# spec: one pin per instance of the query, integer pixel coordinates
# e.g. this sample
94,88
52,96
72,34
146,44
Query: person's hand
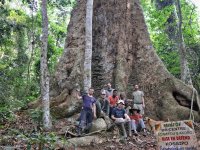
95,116
119,120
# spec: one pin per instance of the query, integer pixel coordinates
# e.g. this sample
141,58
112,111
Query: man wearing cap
102,105
121,118
103,108
138,99
137,123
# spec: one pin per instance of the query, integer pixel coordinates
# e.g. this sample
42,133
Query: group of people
113,108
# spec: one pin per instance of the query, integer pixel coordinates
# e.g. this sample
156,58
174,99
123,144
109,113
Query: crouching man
88,112
103,108
137,123
121,118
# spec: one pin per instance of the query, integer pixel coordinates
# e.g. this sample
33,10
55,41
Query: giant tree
122,54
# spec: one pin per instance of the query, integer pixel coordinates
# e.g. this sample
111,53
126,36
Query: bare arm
78,95
113,117
94,110
127,117
143,102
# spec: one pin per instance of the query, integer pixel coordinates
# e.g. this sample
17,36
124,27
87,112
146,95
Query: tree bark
88,45
185,72
44,69
122,54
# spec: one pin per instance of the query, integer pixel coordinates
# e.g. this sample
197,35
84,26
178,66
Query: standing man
88,111
138,99
113,101
109,90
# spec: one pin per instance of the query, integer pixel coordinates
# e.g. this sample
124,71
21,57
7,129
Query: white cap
103,92
120,101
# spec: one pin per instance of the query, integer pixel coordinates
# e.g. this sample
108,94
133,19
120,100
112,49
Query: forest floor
21,134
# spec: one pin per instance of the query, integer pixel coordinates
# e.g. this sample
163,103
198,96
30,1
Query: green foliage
20,43
5,114
35,140
36,116
163,35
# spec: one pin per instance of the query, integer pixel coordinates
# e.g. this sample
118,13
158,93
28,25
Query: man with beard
138,99
88,111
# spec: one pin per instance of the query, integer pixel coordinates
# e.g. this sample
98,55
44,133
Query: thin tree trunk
44,69
185,72
88,45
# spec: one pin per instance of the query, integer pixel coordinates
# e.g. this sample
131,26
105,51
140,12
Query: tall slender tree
185,72
88,45
44,68
175,33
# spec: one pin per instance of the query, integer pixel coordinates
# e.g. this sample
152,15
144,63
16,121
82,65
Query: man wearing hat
137,123
102,105
103,108
121,118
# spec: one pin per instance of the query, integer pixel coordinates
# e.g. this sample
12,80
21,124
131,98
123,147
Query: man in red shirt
113,101
137,123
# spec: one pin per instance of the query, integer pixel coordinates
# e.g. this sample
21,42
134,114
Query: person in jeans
137,123
121,118
88,111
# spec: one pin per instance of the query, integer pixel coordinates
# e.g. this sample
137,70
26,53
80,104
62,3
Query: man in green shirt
138,99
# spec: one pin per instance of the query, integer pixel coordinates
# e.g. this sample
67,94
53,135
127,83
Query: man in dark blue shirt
88,111
121,118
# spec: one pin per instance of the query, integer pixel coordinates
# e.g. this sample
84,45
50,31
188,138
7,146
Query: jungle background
20,44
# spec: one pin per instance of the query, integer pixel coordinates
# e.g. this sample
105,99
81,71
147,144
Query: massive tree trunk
88,46
122,54
44,69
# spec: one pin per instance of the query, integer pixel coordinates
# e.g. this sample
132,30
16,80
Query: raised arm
78,95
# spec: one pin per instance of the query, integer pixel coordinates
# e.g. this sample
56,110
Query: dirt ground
9,136
140,142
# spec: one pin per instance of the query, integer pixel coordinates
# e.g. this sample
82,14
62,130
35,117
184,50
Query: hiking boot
144,134
135,133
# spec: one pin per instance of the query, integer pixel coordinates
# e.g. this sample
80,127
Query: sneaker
135,133
144,134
